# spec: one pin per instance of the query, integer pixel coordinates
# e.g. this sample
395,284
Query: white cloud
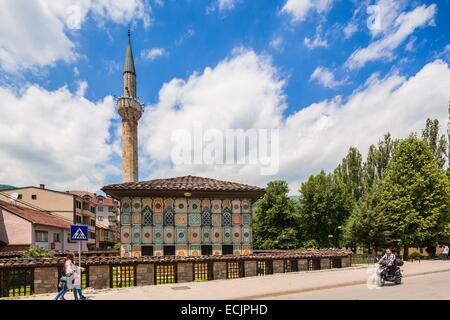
350,29
152,54
82,87
246,91
221,6
55,137
299,9
383,48
325,77
277,43
34,34
317,42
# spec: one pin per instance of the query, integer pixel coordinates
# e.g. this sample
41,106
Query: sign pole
79,254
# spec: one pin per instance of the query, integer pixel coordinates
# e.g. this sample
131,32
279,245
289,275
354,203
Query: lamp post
336,235
330,236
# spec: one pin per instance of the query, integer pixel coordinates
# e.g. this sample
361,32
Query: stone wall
185,272
303,265
45,280
220,270
324,263
278,266
99,276
145,274
346,262
250,268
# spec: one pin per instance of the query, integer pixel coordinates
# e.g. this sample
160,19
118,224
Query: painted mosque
183,216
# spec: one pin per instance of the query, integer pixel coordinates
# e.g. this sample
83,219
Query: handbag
62,281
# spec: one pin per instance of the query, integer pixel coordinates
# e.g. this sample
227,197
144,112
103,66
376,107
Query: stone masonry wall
99,277
45,280
220,270
324,264
145,274
278,266
303,265
250,268
185,272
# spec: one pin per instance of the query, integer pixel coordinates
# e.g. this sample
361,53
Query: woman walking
77,293
67,277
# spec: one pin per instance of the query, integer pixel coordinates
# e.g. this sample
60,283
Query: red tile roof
35,216
186,183
107,201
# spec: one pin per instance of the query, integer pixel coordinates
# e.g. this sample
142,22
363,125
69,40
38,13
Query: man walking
445,252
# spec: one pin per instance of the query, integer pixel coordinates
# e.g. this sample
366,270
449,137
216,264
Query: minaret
130,110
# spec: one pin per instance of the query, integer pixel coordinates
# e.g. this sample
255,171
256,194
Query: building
107,208
21,227
185,216
70,207
107,211
106,237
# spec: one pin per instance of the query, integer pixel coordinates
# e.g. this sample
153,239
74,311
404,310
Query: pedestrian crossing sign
78,233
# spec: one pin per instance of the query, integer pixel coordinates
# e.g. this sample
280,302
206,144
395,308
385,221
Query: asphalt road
431,286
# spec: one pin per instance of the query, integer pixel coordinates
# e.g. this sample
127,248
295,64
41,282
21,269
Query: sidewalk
255,287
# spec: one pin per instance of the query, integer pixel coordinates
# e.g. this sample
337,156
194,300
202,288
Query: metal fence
166,273
264,267
16,282
235,269
122,276
203,271
363,259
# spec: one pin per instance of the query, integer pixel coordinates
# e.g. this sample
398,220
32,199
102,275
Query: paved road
348,283
430,286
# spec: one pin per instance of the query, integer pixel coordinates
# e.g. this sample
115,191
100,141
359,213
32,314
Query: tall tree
437,142
414,196
276,220
378,158
350,172
324,206
366,226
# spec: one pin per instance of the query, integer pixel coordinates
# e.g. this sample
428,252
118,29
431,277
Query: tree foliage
414,196
324,205
276,224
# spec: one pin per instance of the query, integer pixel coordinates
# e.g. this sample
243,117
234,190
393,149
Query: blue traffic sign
78,233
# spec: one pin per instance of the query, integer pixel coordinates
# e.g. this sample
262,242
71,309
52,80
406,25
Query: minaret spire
130,111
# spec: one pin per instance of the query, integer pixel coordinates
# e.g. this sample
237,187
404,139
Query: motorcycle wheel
398,281
380,281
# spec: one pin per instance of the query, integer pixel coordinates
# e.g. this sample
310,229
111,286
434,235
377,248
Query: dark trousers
77,294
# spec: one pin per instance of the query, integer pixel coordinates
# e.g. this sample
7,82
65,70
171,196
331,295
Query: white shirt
445,250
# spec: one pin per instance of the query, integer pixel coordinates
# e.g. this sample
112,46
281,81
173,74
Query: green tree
324,205
366,226
37,252
414,196
275,223
378,158
350,172
437,143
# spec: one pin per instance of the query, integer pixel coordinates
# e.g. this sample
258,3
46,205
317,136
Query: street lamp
336,235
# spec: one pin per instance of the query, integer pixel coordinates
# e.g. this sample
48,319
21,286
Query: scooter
384,275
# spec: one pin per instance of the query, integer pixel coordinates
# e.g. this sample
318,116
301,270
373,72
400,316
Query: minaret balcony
129,106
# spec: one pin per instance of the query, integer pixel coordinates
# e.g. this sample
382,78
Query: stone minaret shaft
131,111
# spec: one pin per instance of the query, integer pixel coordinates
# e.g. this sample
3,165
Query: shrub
37,252
416,256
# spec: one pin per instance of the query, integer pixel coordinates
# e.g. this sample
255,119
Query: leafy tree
414,196
438,144
276,221
366,226
350,172
377,161
324,205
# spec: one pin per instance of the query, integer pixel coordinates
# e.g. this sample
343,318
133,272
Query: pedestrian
65,282
77,293
445,252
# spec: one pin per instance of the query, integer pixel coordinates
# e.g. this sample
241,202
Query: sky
325,74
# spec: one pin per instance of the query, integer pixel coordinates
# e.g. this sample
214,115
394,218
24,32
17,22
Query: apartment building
71,207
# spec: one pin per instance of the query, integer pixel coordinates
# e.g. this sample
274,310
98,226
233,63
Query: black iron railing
264,267
166,273
235,269
203,271
122,276
16,282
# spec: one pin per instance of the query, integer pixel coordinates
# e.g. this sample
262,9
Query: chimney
42,186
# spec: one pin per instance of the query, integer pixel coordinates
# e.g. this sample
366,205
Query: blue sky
320,55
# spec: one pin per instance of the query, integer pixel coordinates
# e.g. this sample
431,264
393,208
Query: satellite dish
14,197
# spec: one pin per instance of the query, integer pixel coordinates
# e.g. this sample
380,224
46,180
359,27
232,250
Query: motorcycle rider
390,259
